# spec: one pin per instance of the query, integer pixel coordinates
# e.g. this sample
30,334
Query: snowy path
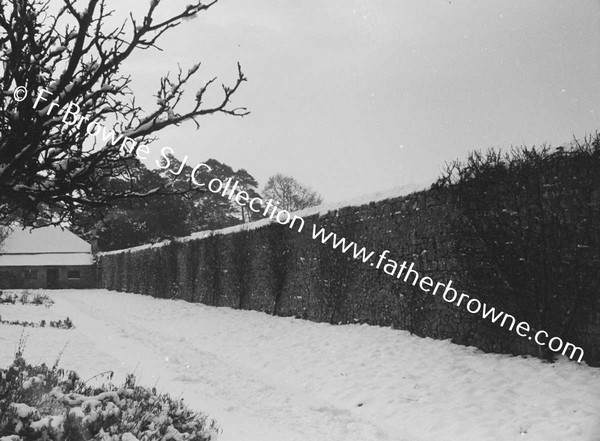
278,379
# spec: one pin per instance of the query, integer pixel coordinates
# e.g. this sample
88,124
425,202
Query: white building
47,257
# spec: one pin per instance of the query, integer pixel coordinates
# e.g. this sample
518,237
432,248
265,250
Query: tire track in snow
246,400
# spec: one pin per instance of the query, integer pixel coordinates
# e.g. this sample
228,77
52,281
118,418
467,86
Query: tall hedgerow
537,213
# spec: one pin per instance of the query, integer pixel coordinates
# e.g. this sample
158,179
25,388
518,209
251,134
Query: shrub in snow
62,324
26,298
41,299
41,402
8,298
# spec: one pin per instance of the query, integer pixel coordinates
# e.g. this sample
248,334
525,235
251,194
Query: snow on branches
46,169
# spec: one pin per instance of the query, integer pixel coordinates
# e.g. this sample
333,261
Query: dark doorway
52,278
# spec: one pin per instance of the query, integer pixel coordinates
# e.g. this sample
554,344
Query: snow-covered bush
41,402
26,298
8,298
36,299
61,324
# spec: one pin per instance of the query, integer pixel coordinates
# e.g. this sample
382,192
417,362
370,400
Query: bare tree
62,82
289,194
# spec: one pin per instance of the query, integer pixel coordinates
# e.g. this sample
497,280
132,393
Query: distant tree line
181,211
184,209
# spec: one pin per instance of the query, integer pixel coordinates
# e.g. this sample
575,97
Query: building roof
50,245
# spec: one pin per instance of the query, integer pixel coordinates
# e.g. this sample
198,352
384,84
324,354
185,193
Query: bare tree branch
48,167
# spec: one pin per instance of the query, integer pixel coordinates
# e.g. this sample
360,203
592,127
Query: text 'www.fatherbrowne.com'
449,294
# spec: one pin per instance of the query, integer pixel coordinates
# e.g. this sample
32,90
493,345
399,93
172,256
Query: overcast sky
353,97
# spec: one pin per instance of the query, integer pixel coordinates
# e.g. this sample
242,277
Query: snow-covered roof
50,245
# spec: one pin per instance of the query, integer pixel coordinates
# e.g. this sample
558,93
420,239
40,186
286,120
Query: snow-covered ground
266,378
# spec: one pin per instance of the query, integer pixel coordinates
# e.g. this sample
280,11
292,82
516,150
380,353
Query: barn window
30,274
72,275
